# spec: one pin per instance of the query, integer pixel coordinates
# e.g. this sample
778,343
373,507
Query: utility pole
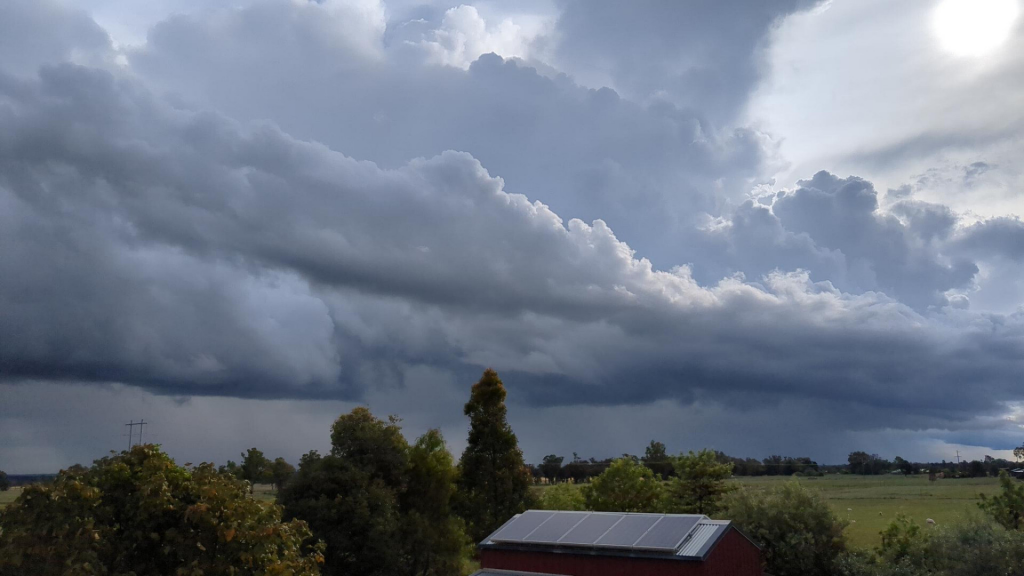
131,430
958,458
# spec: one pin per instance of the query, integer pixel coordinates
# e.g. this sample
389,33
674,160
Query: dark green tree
656,458
551,466
280,472
1007,507
255,467
434,537
231,469
798,533
350,498
700,483
626,486
494,482
139,513
5,483
903,465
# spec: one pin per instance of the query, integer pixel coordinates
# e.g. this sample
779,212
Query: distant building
1017,473
553,543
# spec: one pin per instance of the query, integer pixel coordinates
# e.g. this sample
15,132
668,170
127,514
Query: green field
9,496
869,503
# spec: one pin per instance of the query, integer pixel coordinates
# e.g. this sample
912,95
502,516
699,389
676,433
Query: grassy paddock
9,496
869,503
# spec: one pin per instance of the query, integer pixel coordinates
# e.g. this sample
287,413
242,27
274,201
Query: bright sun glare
974,27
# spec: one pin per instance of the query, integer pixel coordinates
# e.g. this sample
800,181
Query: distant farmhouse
544,542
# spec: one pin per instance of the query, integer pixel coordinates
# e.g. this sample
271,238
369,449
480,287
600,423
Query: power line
131,430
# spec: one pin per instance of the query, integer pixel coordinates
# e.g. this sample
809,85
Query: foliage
5,483
350,498
699,484
971,547
139,513
656,458
1006,508
231,469
382,507
562,497
902,539
255,467
280,472
864,463
626,486
494,482
797,531
435,538
903,465
551,466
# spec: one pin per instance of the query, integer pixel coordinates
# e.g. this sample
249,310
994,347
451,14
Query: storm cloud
284,203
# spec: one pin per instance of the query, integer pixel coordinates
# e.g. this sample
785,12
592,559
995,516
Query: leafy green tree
435,538
700,483
494,482
903,465
655,452
626,486
901,539
656,458
859,462
797,531
231,469
139,513
280,472
255,467
551,466
562,497
5,483
350,498
1007,507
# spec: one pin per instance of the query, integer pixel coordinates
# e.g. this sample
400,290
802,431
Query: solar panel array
650,532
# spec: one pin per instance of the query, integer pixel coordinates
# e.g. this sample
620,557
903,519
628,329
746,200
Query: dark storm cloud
703,55
205,221
190,254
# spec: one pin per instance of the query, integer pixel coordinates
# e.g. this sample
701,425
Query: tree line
374,505
554,468
378,505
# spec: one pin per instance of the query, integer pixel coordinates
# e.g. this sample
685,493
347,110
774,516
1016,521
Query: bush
797,531
562,497
626,486
138,512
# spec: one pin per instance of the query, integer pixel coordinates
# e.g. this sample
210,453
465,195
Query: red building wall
733,556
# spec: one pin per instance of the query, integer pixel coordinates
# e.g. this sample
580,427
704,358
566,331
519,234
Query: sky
760,226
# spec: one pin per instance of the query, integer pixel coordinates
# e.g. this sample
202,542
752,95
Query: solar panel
668,533
627,531
556,527
520,527
590,529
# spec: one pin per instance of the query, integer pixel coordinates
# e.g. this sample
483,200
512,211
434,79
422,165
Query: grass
9,496
264,492
869,503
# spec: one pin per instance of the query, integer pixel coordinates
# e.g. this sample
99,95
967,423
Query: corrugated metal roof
702,538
